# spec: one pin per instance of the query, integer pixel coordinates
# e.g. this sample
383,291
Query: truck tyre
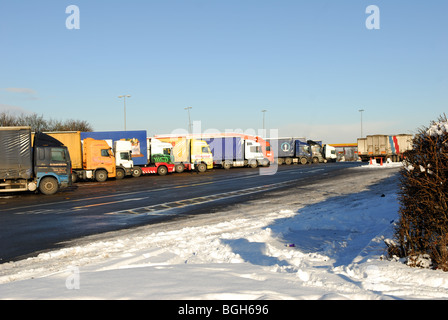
74,177
315,160
120,174
227,165
162,170
101,175
179,168
201,167
303,160
48,186
279,161
288,161
253,164
136,172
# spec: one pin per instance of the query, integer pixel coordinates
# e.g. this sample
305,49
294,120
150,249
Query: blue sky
311,64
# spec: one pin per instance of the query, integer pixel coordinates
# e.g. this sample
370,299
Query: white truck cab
329,153
123,157
156,146
253,153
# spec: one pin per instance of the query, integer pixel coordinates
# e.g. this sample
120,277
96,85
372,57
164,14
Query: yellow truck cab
98,158
189,153
200,153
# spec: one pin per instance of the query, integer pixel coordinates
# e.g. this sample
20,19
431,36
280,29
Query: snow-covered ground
321,241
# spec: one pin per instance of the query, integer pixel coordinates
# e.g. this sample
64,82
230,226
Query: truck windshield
255,149
167,151
206,150
105,153
58,154
125,156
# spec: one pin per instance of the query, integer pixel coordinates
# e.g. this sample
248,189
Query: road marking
224,180
128,193
159,209
106,203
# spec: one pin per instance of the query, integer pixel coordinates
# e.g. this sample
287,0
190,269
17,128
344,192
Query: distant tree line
38,123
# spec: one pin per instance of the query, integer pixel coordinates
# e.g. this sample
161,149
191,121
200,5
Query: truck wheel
120,174
136,172
315,160
253,164
201,167
162,170
227,165
303,160
48,186
74,177
179,168
288,161
101,175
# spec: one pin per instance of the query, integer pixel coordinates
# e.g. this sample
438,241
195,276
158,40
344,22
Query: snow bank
386,165
320,242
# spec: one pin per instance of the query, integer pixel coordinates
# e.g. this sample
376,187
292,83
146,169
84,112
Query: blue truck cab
30,163
52,164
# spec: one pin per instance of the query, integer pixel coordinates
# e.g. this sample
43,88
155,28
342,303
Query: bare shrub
423,226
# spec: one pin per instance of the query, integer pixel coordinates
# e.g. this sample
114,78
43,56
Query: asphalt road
32,223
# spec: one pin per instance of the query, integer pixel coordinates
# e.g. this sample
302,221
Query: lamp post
124,99
361,111
189,120
264,112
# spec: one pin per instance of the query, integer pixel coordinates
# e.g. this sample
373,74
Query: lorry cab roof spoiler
43,140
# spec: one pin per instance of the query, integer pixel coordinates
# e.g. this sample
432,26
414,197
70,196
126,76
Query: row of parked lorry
53,160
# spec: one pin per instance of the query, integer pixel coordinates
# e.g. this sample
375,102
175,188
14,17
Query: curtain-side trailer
236,152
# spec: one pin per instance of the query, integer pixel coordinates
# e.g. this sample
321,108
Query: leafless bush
423,225
38,123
